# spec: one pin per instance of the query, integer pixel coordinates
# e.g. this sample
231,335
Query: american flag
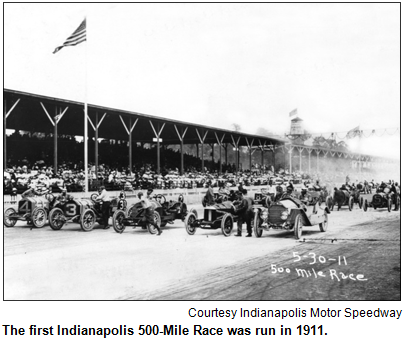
78,36
353,133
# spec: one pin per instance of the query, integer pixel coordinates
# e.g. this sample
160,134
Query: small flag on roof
293,112
78,36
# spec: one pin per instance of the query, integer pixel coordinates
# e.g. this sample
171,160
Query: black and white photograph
202,152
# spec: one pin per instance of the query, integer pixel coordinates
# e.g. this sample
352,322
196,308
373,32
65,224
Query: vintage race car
383,200
33,210
289,214
216,216
86,212
343,198
165,212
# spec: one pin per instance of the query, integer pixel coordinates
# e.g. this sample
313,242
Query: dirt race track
358,258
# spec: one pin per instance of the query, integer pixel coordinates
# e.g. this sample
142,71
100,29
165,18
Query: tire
256,225
298,227
87,220
117,221
156,217
7,221
189,223
324,225
365,205
227,224
193,210
39,217
361,202
389,205
350,204
56,219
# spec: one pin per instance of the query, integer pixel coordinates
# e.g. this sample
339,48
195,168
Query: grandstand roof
29,115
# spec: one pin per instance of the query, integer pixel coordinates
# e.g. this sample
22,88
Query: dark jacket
245,208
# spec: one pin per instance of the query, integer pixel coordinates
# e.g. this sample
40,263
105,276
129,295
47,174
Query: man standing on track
105,208
149,211
245,213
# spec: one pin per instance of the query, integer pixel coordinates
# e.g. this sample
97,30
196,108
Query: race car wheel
361,202
87,220
56,219
117,221
156,218
189,223
193,210
389,205
38,217
227,224
257,222
324,225
93,197
298,227
8,222
351,203
365,205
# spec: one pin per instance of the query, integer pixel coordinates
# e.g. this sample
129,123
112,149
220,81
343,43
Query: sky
219,64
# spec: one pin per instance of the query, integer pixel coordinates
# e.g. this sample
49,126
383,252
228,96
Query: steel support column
4,136
55,142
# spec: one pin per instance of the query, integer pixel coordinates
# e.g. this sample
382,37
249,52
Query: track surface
42,264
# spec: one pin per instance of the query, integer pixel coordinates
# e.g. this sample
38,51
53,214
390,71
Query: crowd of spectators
23,168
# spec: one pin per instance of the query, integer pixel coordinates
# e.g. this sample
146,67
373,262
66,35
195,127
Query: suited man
244,212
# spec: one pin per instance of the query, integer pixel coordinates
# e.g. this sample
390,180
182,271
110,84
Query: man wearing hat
149,209
105,208
245,213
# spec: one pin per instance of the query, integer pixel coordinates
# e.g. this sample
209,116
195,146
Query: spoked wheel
56,219
365,205
38,217
189,223
257,222
8,221
156,218
298,227
227,224
87,220
324,225
351,202
118,221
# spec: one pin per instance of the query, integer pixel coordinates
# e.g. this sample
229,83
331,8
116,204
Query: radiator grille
275,213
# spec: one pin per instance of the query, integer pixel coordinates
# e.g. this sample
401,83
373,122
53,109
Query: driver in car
32,191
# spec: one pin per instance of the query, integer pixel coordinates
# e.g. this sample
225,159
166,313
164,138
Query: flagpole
86,171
